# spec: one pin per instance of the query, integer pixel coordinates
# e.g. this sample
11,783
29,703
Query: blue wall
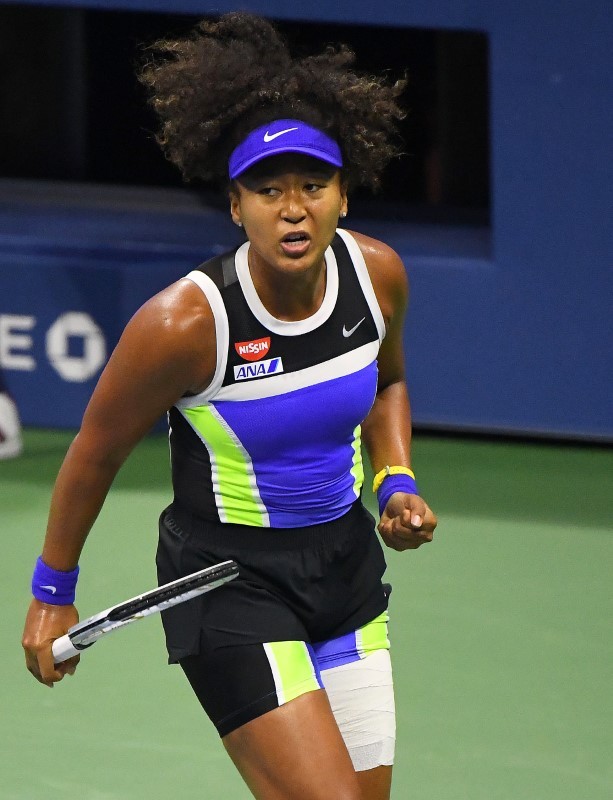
510,329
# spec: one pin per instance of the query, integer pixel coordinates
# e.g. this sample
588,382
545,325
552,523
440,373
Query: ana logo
254,350
245,372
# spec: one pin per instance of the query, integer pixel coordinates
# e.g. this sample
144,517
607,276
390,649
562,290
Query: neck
290,296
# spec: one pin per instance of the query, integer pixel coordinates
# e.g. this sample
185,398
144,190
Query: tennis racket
87,632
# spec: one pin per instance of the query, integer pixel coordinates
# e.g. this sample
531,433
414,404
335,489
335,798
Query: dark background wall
501,209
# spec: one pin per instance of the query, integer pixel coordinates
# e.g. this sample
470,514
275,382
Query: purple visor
283,136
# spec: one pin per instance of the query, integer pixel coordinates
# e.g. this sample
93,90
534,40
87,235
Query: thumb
416,507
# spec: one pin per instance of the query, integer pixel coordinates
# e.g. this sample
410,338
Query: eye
313,187
268,191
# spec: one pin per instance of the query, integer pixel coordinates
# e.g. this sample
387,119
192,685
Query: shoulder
387,274
175,329
181,308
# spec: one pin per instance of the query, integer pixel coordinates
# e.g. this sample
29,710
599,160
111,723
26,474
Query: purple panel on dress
301,446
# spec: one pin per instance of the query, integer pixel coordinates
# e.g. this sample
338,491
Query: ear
344,202
235,207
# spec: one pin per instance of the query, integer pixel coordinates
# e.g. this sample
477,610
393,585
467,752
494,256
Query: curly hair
230,76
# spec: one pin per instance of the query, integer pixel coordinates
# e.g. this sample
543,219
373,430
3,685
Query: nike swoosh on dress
347,333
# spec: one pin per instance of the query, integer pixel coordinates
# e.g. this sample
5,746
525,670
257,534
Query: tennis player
276,362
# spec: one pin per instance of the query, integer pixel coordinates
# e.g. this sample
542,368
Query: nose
293,209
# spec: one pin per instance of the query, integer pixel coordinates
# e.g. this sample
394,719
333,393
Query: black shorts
307,585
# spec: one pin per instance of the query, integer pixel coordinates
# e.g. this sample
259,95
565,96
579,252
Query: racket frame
87,632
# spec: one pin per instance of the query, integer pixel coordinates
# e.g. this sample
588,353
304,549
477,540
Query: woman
275,361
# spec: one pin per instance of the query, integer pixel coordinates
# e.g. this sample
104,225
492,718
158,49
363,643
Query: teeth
295,237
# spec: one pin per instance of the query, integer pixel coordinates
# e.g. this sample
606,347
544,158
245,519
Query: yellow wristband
381,476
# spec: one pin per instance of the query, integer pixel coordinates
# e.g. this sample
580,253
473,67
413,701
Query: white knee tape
362,698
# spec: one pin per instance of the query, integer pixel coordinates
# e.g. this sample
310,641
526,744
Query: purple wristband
54,586
395,483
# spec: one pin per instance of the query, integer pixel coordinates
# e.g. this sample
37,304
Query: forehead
278,166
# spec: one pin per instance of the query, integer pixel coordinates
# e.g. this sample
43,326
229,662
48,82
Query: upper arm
391,286
168,348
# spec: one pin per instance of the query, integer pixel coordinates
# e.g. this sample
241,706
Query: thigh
357,675
237,684
361,695
376,783
295,751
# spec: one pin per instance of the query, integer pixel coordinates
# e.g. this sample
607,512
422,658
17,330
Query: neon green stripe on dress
357,469
234,484
373,636
292,669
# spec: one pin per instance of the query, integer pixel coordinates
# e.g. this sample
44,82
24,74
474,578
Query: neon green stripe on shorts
292,668
373,636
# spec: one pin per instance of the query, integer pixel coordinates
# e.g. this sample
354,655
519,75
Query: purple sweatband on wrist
392,484
54,586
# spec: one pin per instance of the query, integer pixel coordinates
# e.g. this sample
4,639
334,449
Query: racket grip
63,649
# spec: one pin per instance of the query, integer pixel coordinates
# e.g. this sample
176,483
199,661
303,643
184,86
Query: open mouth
295,243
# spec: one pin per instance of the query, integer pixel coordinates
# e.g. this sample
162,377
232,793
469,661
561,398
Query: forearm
406,520
80,490
386,431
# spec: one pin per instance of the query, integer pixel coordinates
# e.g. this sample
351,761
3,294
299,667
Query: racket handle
63,649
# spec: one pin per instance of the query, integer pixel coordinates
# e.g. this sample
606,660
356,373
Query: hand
407,522
44,624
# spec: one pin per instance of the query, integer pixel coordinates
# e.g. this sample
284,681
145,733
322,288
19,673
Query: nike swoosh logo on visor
268,137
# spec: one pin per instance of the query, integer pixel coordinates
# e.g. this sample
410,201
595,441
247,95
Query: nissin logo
253,350
245,372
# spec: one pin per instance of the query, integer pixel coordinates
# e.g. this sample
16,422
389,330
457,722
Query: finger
403,524
69,667
411,512
400,538
430,520
409,542
399,534
389,539
417,536
35,672
417,511
32,667
427,528
395,543
48,671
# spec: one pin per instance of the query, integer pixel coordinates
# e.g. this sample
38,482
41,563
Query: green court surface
501,633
